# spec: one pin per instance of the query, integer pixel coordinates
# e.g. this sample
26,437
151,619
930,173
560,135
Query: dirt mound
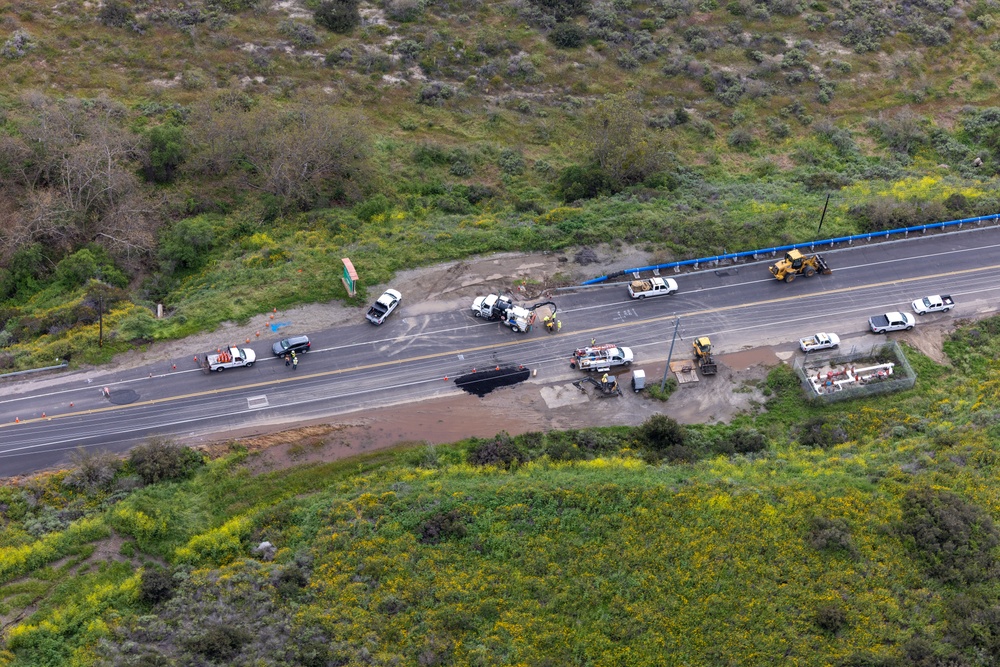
586,256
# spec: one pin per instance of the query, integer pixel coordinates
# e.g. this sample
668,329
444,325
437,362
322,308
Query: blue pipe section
809,244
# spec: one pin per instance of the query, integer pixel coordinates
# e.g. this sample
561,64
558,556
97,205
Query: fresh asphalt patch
481,383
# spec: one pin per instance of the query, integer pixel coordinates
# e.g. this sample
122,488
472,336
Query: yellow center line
492,346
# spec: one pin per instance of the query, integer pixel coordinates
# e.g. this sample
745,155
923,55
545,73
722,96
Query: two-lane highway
357,366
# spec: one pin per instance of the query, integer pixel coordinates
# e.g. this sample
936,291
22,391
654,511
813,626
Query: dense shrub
92,470
831,617
511,162
500,451
404,11
582,182
888,213
115,14
340,16
746,440
378,204
953,538
434,93
188,242
903,132
443,526
157,585
562,9
974,623
831,535
166,150
219,641
660,433
161,460
302,34
741,139
822,432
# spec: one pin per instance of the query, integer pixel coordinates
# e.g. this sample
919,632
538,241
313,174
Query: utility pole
100,321
677,324
824,213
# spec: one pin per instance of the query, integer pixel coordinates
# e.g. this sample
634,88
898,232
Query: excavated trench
481,383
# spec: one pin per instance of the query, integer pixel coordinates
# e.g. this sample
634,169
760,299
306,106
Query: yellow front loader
796,264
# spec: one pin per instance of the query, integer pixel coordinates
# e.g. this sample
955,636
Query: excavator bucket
822,266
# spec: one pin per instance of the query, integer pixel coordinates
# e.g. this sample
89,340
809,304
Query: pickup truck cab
933,304
820,341
640,289
384,306
881,324
492,307
233,357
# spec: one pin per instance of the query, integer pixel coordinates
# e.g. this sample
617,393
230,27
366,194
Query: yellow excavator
703,356
796,264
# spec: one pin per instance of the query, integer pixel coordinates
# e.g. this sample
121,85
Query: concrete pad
562,395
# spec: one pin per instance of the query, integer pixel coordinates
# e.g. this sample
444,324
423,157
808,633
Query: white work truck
383,307
640,289
492,307
519,319
601,357
233,357
933,304
820,341
881,324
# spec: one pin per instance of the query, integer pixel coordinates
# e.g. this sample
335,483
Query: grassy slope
608,559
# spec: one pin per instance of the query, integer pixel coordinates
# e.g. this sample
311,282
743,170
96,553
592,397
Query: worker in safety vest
604,379
295,361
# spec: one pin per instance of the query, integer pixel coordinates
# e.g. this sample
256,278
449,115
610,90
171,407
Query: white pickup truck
601,357
933,304
234,357
820,341
640,289
881,324
382,308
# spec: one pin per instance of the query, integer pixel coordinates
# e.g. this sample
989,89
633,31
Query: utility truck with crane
601,357
518,318
796,264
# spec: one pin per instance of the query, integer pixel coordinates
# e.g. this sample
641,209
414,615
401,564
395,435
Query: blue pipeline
808,244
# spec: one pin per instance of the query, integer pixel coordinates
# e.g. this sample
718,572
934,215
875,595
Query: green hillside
221,157
852,534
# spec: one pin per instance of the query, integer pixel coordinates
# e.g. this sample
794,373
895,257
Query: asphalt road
408,358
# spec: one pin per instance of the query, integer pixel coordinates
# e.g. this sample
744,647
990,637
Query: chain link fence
834,376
